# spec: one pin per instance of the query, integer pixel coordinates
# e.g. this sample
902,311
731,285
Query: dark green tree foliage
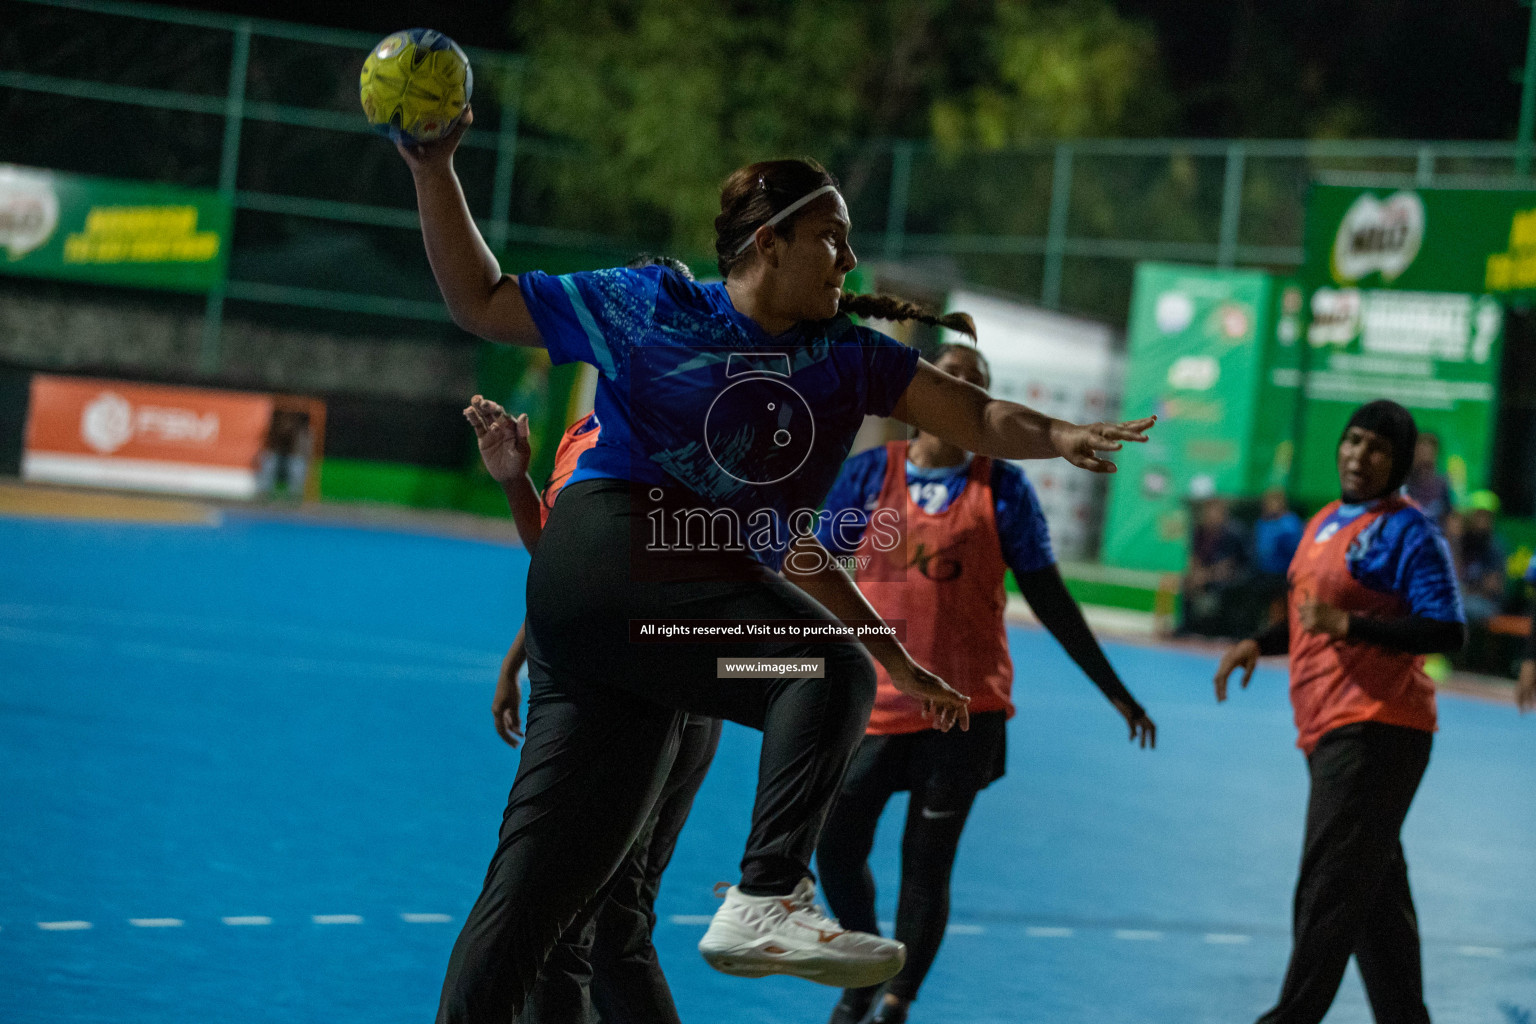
665,97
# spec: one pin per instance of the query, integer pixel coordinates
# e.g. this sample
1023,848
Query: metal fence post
1527,124
896,204
506,153
1231,206
1424,173
1056,230
229,177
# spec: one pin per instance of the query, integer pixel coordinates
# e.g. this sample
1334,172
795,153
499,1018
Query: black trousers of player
604,721
1352,896
609,971
943,772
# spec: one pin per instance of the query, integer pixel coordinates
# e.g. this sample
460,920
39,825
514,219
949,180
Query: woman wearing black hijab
1371,592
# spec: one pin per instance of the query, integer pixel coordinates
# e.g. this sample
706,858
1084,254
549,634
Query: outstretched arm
964,414
810,567
1059,613
481,299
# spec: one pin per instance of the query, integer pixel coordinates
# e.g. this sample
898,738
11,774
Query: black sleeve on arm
1058,612
1530,641
1276,639
1412,635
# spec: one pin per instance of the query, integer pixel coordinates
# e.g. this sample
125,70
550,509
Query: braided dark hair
889,307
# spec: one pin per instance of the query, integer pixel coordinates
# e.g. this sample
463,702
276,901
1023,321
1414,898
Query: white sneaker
751,936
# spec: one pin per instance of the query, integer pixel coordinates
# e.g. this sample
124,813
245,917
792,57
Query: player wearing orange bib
933,530
614,946
1372,591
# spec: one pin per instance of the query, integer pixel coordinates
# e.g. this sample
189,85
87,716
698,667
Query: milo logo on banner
1378,236
29,210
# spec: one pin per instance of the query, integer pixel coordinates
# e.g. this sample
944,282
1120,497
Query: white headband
791,208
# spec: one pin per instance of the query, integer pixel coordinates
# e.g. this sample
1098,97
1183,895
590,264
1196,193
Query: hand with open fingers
1244,655
1525,689
1320,617
1143,729
943,703
437,154
1080,444
505,707
503,439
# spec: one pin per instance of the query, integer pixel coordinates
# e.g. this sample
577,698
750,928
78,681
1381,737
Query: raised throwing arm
481,299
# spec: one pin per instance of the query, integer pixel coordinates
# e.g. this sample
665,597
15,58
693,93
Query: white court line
251,920
336,919
64,926
156,922
966,929
1227,939
1485,951
425,918
1036,932
691,918
1137,935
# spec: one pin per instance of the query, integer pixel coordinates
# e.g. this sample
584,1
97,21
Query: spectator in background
1219,567
284,463
1276,535
1481,560
1429,488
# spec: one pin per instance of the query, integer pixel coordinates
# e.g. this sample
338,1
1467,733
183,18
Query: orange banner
107,433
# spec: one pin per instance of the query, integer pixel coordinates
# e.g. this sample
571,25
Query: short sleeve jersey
692,392
1021,527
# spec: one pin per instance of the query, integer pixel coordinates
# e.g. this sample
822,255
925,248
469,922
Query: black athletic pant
603,727
609,971
943,772
1352,896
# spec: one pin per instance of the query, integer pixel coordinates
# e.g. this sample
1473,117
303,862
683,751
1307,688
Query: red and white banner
144,437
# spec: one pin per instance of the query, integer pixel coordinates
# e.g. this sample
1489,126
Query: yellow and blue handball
415,85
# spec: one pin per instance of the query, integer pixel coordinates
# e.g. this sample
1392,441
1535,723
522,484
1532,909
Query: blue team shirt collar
1352,511
720,304
916,472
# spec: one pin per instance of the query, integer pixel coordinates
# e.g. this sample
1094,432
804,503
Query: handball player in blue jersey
727,410
1372,590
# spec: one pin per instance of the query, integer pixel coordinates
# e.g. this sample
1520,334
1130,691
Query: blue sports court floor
248,774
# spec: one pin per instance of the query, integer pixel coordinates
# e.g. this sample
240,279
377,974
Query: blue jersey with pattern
1402,554
1021,528
692,392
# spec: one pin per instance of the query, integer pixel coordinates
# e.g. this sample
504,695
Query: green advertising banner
1272,445
1406,291
1473,241
1197,356
111,232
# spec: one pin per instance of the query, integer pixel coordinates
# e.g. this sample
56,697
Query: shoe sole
836,973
